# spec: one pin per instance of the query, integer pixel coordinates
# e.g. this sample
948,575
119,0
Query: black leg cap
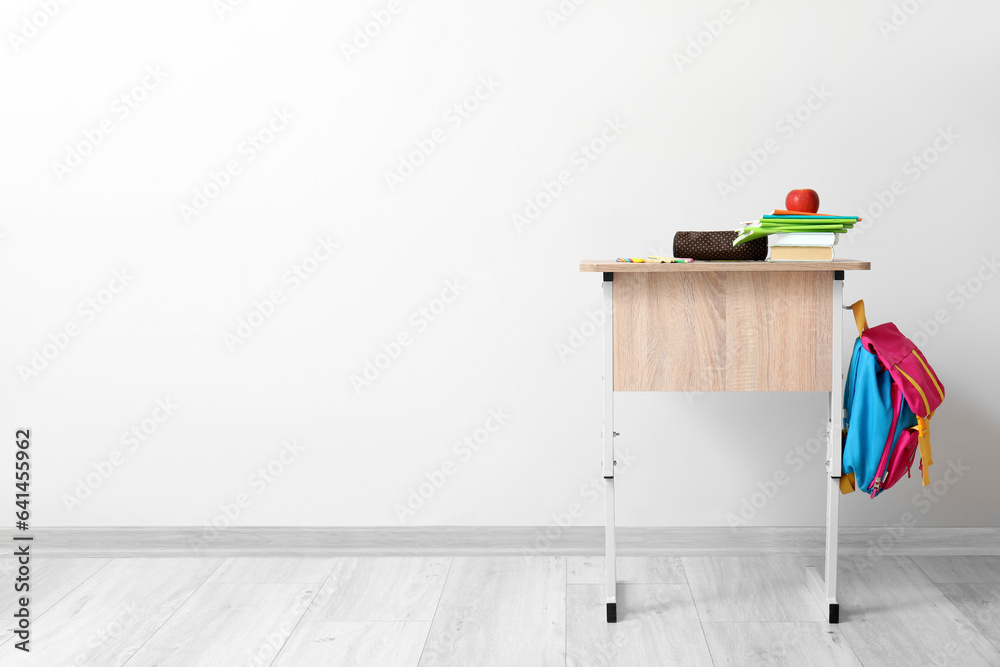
835,613
612,612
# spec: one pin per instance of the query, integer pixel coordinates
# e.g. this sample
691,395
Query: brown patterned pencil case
718,245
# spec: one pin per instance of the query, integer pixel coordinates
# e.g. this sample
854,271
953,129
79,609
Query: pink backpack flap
907,366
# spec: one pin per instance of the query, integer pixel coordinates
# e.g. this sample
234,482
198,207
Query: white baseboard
488,540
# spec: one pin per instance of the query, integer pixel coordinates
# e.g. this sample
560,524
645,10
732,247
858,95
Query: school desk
726,326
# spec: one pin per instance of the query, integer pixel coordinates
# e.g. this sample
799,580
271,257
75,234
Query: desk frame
823,587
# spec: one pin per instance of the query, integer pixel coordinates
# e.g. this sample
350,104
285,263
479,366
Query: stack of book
797,237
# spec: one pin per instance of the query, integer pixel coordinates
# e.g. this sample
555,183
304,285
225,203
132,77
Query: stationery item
759,230
793,222
630,260
717,246
779,211
811,218
774,227
803,239
657,259
788,228
800,254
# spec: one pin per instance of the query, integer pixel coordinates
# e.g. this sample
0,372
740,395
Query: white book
803,239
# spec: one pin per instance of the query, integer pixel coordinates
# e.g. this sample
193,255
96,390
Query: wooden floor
503,610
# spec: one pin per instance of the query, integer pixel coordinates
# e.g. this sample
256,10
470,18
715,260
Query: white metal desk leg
609,452
825,588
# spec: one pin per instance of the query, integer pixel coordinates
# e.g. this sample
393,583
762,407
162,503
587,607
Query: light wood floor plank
657,625
354,644
106,619
892,614
273,570
960,569
504,611
763,588
500,611
381,589
779,645
51,580
980,603
447,541
228,624
630,570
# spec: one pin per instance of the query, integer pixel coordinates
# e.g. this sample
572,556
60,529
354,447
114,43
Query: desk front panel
723,331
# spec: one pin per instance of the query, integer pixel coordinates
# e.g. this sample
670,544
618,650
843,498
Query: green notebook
756,231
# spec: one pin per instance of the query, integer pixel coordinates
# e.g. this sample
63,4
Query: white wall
496,346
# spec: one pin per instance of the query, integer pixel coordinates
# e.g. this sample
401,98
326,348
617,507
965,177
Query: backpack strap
847,484
924,440
859,315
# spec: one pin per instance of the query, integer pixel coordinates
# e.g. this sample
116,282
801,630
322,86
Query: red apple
803,201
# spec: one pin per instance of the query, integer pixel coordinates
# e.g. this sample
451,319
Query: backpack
890,395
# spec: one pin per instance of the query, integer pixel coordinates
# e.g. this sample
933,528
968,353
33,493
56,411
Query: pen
671,260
